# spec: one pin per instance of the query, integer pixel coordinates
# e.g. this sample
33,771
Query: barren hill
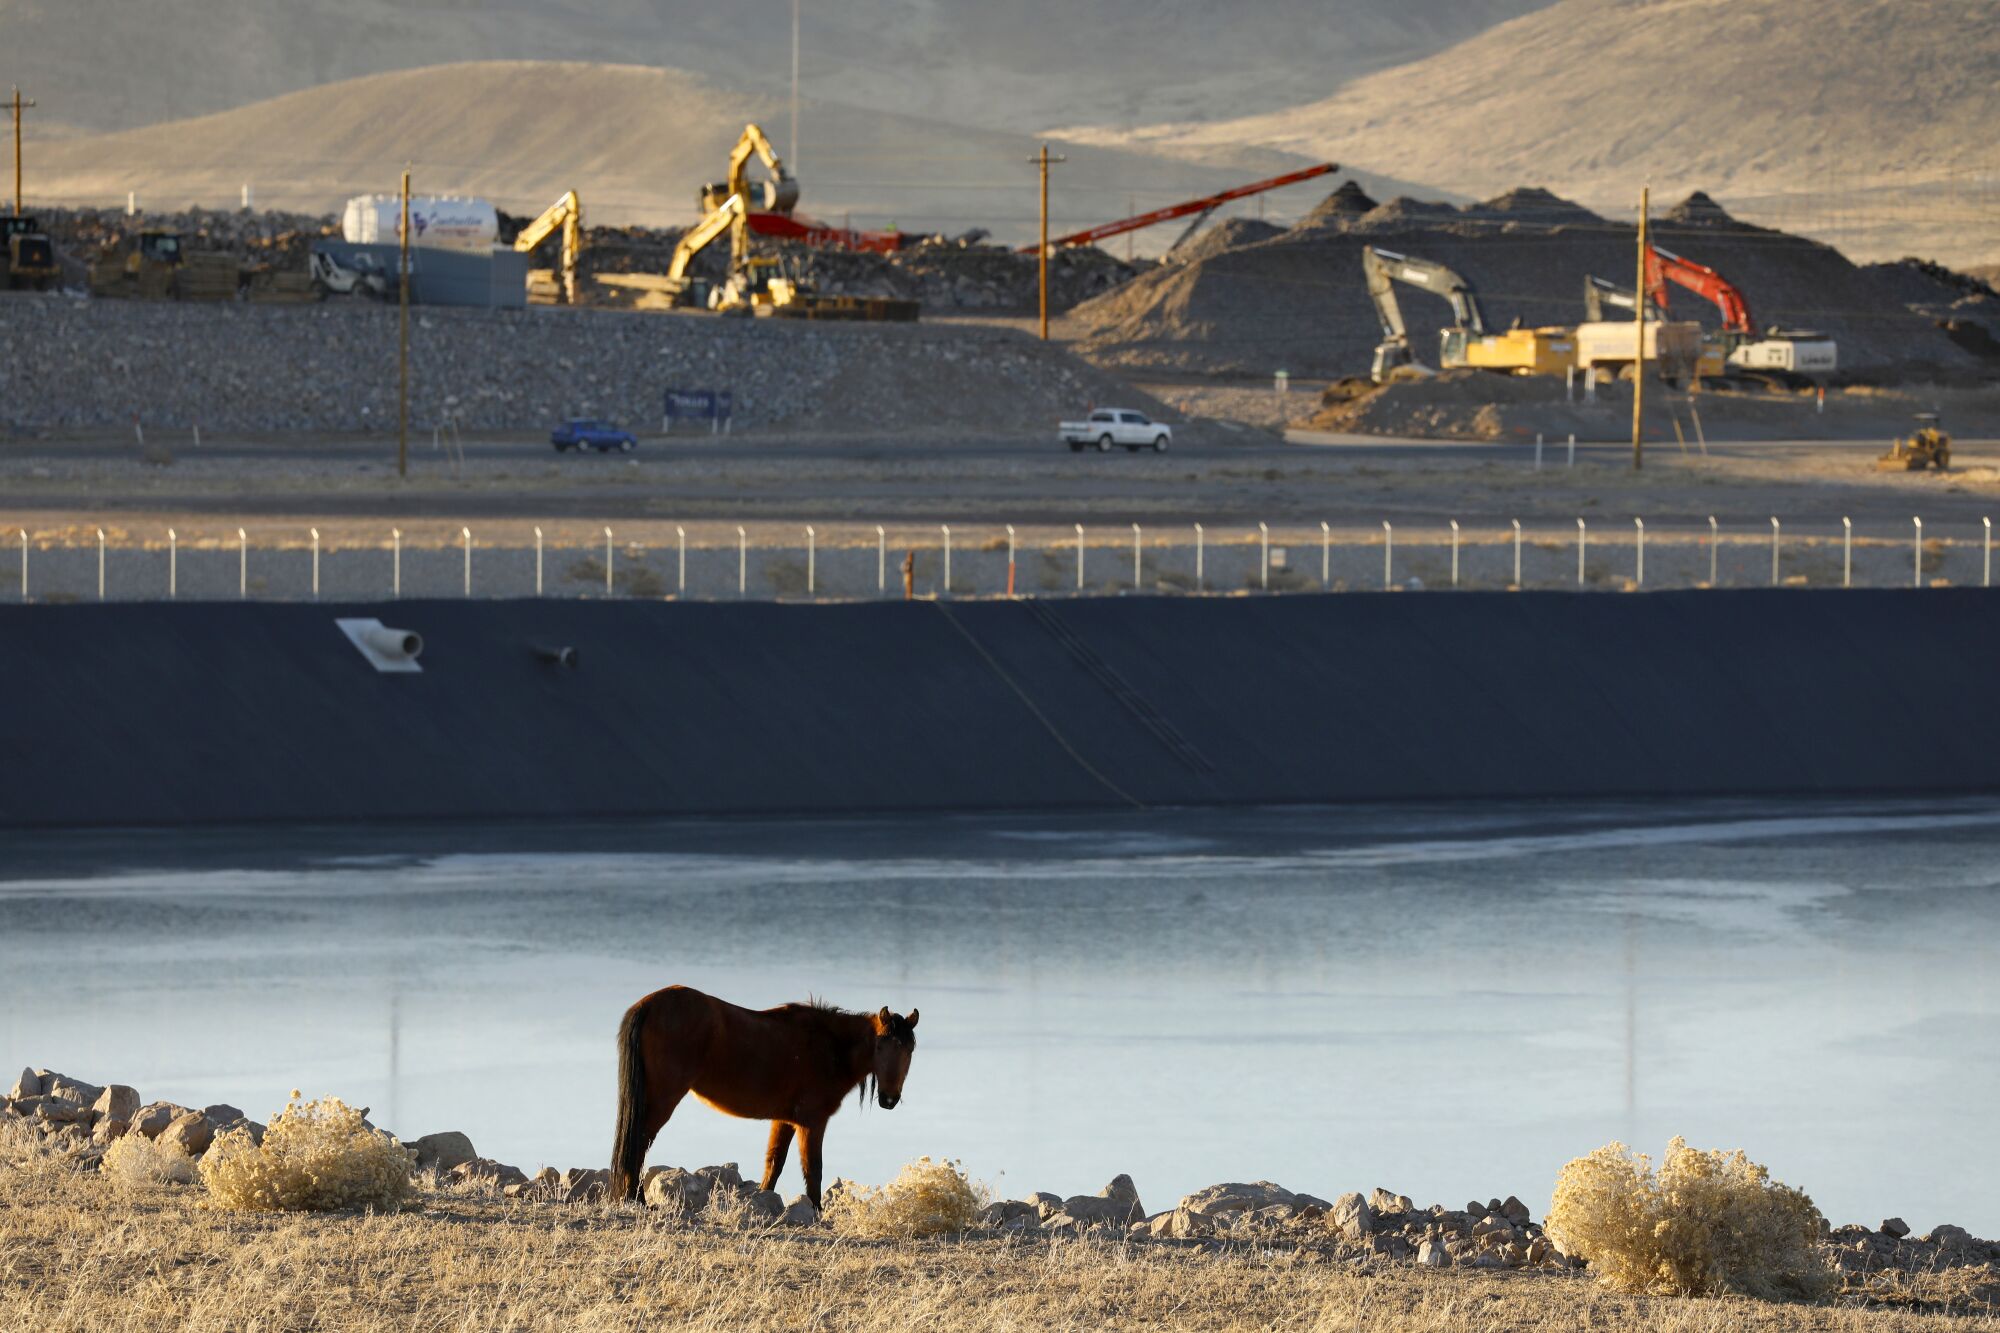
1867,123
111,64
635,142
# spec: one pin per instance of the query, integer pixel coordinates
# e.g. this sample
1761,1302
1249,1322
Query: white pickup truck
1116,425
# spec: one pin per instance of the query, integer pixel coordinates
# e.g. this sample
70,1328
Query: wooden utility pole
794,145
19,105
1639,327
403,352
1043,160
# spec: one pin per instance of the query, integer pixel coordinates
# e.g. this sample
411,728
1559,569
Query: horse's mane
831,1019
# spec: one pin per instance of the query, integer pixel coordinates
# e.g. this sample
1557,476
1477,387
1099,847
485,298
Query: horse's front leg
811,1137
774,1153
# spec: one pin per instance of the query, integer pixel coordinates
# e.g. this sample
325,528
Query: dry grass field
85,1253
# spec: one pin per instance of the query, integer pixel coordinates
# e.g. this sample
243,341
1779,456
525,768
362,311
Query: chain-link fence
980,562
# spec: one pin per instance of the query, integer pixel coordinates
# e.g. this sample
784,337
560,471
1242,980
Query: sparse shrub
927,1199
315,1156
1705,1223
134,1159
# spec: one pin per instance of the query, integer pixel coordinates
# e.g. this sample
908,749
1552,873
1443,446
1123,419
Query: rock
192,1133
1431,1254
62,1111
1003,1211
222,1113
585,1185
153,1117
799,1212
118,1102
1949,1235
1122,1189
676,1190
30,1083
69,1089
1512,1208
1352,1217
1236,1197
1493,1224
1539,1248
108,1128
766,1205
1087,1211
1893,1226
725,1175
489,1172
443,1151
1382,1201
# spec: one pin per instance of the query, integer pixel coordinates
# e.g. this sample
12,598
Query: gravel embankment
67,362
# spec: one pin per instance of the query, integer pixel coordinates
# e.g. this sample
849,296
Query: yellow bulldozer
1927,446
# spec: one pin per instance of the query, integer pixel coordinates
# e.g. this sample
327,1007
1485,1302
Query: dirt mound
1698,210
1532,205
1344,205
1229,234
1299,301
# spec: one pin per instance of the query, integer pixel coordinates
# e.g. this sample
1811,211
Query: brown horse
792,1065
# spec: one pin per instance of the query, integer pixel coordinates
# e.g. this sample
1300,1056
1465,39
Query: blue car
603,436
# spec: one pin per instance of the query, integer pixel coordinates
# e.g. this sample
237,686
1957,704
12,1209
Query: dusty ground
79,1252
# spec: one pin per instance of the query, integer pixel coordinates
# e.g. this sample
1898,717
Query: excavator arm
728,218
566,215
780,194
1385,268
1664,266
1601,292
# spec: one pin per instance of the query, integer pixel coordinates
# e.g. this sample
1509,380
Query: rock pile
82,1119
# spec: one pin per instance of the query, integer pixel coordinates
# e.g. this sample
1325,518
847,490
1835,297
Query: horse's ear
913,1018
882,1019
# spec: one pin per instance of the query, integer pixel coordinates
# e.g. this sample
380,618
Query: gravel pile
69,362
1298,301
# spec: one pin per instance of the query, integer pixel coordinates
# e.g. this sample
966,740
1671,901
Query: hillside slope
637,147
98,65
1867,123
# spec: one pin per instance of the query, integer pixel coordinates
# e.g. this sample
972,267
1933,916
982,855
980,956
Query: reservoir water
1447,1000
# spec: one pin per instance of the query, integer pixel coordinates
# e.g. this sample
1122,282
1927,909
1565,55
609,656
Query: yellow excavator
780,194
566,215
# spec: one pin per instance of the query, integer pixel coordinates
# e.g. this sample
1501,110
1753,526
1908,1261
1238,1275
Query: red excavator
1784,354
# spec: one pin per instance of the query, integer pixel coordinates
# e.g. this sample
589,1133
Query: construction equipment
1466,343
146,269
27,253
1786,355
1607,343
1927,446
1201,208
564,215
727,217
780,194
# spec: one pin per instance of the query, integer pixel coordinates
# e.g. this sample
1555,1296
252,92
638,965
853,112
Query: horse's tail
628,1151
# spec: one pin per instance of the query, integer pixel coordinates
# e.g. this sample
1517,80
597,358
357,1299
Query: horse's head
895,1042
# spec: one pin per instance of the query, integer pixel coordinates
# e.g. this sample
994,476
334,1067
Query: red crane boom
1202,205
1664,266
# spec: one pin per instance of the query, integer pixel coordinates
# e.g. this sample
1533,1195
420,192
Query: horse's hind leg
810,1139
774,1154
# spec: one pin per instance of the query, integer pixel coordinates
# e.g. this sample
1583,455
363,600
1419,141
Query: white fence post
1581,537
1713,536
1079,557
242,563
946,528
812,563
1010,559
1388,554
1517,553
315,542
1917,554
538,562
1538,451
1138,579
1264,538
1639,578
609,556
1200,575
1454,553
681,549
466,534
173,565
1846,552
24,564
100,564
1572,449
1986,579
1775,530
742,562
1325,555
881,560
